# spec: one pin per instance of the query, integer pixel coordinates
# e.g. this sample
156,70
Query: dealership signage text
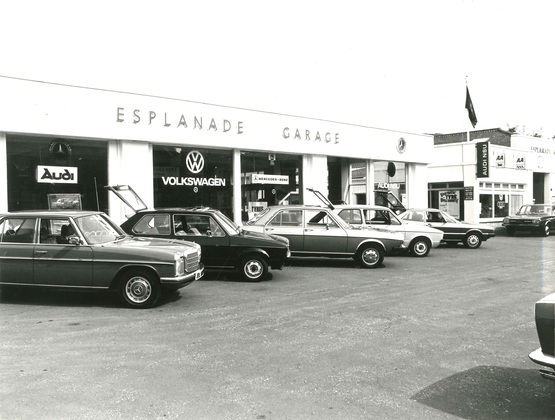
57,174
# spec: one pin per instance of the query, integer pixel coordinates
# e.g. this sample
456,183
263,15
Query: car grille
520,222
192,260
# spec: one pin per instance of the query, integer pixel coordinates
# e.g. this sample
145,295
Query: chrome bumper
185,279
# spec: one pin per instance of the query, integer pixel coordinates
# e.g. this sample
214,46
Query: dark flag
470,108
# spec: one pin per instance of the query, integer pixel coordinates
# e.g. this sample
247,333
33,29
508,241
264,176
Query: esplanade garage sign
482,159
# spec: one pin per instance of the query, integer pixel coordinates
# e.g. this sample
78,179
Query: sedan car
225,246
535,218
545,326
417,239
317,231
85,249
454,231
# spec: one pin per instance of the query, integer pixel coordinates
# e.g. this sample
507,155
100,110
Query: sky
398,64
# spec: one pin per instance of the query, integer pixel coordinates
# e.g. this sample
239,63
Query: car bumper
184,280
537,356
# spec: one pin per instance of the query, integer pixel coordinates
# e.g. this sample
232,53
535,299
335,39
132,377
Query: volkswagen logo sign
194,161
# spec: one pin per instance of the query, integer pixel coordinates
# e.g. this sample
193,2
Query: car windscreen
258,216
97,229
230,226
534,209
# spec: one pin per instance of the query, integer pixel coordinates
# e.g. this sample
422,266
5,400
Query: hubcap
253,269
370,256
473,240
138,290
420,248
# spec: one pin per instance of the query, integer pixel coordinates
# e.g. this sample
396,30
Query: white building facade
60,145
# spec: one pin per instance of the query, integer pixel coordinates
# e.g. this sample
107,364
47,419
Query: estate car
85,249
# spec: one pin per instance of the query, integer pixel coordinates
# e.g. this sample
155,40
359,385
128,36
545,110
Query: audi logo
194,161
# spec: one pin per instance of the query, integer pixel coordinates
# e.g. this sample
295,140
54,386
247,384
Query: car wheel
370,256
510,231
472,240
139,289
419,247
254,268
546,229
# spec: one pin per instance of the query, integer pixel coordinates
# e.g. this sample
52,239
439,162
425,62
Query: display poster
449,202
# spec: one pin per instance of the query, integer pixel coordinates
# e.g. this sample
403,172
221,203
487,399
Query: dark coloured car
87,250
545,326
225,246
317,231
454,231
533,218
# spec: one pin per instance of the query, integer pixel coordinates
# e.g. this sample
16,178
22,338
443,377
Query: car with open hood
417,239
544,314
316,231
225,245
470,234
87,250
533,218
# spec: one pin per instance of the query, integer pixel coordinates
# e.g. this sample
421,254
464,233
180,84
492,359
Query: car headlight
506,221
536,222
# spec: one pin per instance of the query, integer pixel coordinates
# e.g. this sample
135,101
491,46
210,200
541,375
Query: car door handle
40,252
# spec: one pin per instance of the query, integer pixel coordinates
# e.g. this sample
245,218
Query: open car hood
128,196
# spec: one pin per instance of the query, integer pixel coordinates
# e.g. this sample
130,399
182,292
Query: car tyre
419,247
371,256
139,289
473,240
254,268
546,230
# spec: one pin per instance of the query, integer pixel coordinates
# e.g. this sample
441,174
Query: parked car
544,313
85,249
534,218
225,246
454,231
417,239
317,231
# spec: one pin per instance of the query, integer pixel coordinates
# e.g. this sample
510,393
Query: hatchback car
417,239
454,231
535,218
225,246
544,314
82,249
317,231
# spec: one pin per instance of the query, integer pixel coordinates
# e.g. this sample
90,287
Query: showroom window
190,177
502,200
269,179
56,173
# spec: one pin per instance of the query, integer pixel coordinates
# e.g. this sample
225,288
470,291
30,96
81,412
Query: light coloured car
544,314
470,234
417,239
317,231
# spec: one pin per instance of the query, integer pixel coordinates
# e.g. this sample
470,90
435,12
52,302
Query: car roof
361,206
51,213
423,209
179,209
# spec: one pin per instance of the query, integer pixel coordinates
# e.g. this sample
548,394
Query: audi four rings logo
194,161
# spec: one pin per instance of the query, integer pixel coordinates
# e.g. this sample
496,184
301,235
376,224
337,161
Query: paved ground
441,337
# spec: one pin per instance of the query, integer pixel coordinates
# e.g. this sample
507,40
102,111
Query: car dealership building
60,145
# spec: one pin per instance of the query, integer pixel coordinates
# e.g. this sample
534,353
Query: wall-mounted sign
468,193
500,160
520,162
269,179
482,159
57,174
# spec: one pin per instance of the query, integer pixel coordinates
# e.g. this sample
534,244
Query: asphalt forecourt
441,337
